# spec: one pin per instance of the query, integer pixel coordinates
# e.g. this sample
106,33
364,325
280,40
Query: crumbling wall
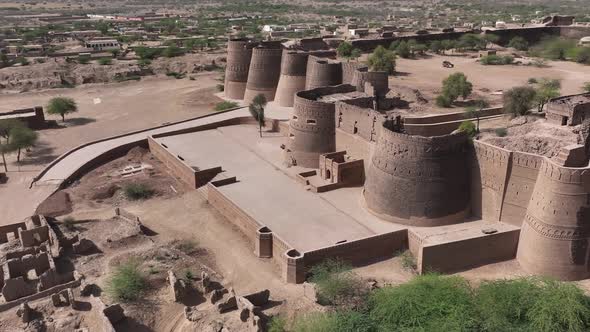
265,70
358,118
421,181
292,79
350,70
555,236
19,267
10,229
239,54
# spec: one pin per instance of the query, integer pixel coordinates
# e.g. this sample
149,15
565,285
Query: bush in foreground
126,283
136,191
225,105
449,303
336,283
427,303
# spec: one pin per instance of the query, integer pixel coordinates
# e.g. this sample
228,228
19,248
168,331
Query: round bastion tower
239,53
322,72
417,180
312,129
555,235
292,79
265,69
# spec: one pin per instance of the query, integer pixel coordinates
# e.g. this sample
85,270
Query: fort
355,177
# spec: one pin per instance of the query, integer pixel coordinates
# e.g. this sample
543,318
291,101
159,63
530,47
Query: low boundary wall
463,254
357,252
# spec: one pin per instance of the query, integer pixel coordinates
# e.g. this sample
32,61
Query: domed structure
416,180
555,235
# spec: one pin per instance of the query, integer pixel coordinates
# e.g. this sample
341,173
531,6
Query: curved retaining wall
239,53
312,128
555,235
292,79
418,180
265,70
322,72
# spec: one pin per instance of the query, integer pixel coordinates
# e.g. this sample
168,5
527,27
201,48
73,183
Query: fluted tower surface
555,235
292,79
312,128
322,72
416,180
239,53
265,69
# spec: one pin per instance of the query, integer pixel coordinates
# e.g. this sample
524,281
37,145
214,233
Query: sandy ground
426,74
104,110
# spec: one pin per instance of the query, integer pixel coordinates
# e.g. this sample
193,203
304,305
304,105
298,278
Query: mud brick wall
12,228
360,251
181,170
522,176
460,255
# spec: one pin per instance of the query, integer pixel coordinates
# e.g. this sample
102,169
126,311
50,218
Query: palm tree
257,110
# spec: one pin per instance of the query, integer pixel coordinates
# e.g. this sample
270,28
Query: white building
103,45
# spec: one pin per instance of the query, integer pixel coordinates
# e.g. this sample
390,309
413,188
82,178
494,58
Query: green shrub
532,80
468,127
382,59
443,101
519,100
176,75
126,283
501,132
83,60
532,304
220,87
582,55
335,283
225,105
105,61
518,43
188,275
136,191
426,303
497,60
316,322
277,324
408,261
586,87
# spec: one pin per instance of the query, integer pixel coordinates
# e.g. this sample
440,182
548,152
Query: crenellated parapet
418,180
555,234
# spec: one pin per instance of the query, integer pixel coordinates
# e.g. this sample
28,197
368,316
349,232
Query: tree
62,106
453,87
356,53
448,44
472,41
6,127
382,59
547,89
586,87
436,46
257,110
518,43
469,128
22,138
518,100
403,50
344,49
172,51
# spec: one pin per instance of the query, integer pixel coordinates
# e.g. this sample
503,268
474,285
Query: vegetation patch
225,105
137,191
126,283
